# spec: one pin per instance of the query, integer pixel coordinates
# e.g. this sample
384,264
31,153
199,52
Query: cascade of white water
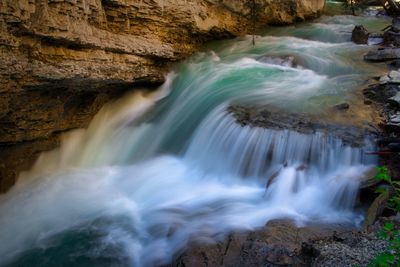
258,152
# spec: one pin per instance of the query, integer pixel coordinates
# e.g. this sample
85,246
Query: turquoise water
156,171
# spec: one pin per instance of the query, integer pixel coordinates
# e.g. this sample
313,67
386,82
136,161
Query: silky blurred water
157,170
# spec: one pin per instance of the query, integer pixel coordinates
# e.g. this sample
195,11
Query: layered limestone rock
61,60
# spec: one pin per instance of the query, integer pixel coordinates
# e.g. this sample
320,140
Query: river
157,170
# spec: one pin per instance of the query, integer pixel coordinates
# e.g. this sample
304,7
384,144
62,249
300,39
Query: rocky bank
282,243
61,60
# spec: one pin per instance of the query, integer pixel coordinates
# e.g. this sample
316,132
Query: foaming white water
152,209
257,152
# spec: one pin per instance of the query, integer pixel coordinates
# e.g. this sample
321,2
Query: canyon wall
61,60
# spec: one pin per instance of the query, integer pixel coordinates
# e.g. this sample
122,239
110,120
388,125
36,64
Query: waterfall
156,171
230,177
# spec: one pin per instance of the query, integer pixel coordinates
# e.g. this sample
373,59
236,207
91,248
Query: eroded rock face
61,60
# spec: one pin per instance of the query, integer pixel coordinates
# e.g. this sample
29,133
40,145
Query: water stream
156,170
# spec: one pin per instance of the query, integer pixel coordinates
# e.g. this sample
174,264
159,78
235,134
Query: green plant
392,187
391,256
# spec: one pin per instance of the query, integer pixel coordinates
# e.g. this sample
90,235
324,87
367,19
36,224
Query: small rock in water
360,35
285,61
342,106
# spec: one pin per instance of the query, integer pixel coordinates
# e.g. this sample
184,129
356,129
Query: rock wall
61,60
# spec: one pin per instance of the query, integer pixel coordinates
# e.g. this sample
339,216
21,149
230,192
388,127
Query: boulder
392,77
392,36
383,54
360,35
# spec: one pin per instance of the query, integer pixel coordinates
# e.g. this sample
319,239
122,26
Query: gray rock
360,35
267,117
393,77
385,54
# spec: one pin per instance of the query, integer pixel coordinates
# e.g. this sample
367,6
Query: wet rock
383,54
368,178
342,106
380,93
275,119
376,209
285,61
392,35
360,35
